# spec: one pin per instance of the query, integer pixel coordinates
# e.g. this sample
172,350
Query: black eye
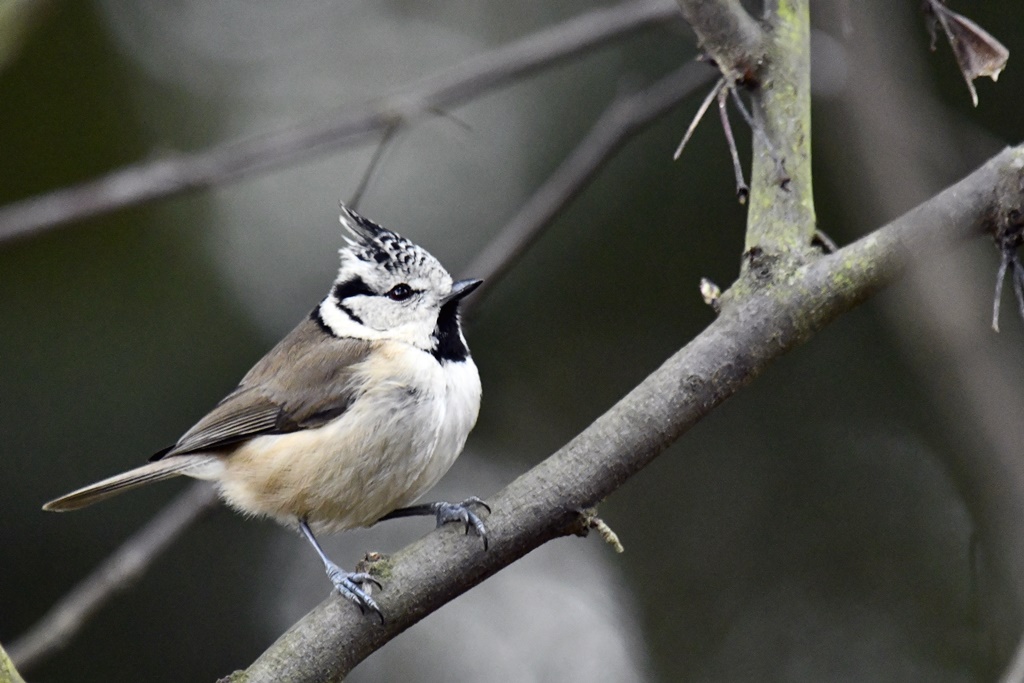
399,292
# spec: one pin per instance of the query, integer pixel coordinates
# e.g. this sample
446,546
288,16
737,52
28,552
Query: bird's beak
461,289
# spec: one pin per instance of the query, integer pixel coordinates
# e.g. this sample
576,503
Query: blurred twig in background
115,575
624,118
233,161
902,142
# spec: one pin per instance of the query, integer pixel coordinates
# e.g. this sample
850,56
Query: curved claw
473,500
460,512
349,584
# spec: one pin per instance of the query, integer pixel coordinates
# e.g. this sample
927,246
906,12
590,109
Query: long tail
195,465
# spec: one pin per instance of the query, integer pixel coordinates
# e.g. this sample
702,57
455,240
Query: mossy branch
8,674
773,63
781,220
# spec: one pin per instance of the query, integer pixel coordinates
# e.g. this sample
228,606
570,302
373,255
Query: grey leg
448,512
347,583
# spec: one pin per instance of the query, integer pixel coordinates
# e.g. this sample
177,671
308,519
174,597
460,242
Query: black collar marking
318,319
449,346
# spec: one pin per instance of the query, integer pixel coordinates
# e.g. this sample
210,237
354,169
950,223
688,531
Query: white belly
394,442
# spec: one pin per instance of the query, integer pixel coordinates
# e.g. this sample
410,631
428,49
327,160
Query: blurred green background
815,527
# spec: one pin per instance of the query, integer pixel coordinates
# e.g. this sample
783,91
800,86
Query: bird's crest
374,244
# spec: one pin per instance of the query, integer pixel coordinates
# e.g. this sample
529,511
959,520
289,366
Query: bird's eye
399,292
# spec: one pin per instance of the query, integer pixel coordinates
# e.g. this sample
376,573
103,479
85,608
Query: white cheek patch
341,323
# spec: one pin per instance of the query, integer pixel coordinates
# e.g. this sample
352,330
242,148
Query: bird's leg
448,512
348,583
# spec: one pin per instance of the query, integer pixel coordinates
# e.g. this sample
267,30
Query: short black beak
460,289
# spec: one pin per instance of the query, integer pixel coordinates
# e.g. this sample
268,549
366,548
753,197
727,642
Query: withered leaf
977,52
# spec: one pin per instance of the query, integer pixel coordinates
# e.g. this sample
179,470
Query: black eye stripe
356,286
352,287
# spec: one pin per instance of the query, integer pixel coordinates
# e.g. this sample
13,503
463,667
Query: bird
351,417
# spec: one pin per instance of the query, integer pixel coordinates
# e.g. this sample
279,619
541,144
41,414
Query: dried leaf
977,52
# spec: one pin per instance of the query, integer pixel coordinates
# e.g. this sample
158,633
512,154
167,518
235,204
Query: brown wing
301,383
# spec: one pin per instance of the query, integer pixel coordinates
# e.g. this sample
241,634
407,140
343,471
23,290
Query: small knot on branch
712,294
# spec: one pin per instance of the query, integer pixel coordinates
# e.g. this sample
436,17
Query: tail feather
195,465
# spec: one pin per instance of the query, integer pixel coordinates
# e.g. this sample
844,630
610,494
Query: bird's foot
461,512
350,585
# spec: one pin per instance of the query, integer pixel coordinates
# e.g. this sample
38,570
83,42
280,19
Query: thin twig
742,189
64,619
754,128
623,119
744,112
1004,263
827,244
378,154
1018,284
229,162
1009,236
701,110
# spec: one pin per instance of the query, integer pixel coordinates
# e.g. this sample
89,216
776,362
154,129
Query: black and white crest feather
374,244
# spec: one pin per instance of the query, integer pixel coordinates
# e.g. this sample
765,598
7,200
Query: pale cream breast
395,441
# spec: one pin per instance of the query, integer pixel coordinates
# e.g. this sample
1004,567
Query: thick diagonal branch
8,674
547,501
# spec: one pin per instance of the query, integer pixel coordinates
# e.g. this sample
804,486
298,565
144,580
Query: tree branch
727,34
781,221
775,64
547,501
116,574
226,163
8,674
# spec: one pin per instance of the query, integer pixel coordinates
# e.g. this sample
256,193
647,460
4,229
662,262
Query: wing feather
303,382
